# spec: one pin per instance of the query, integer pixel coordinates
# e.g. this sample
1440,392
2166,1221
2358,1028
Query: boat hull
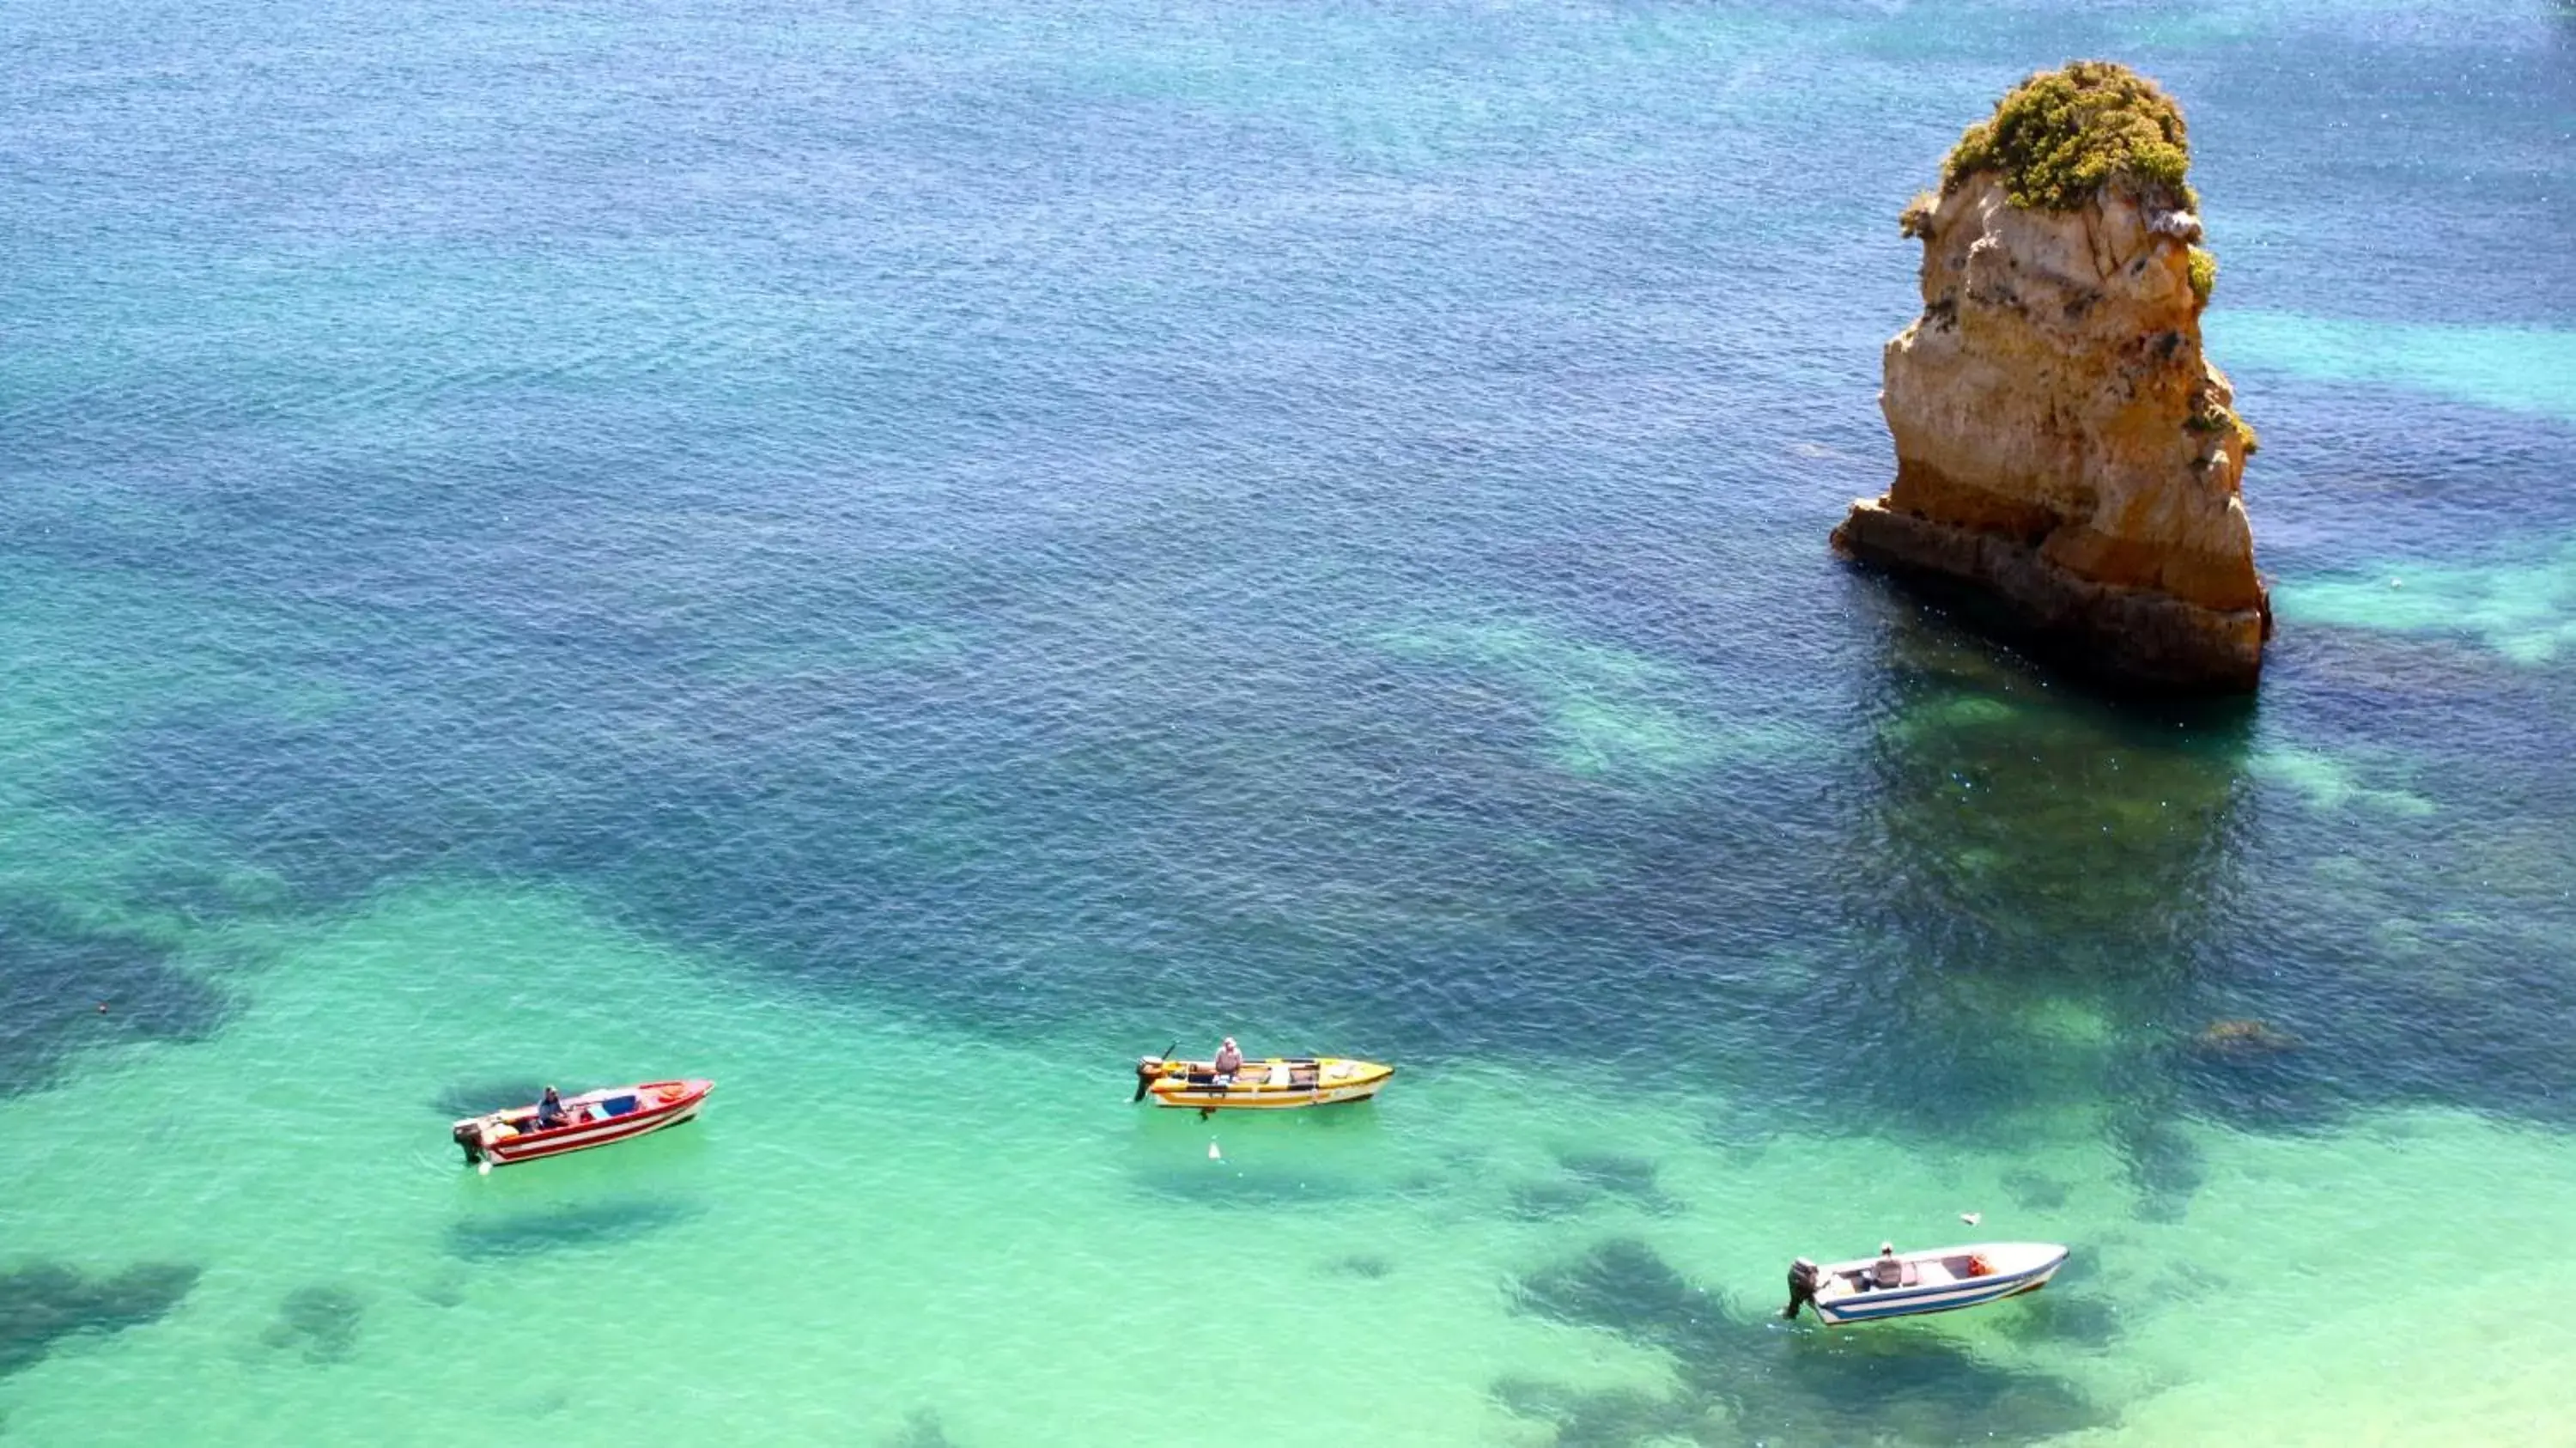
2022,1267
1220,1100
501,1139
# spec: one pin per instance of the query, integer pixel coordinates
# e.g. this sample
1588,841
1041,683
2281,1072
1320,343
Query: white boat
1936,1279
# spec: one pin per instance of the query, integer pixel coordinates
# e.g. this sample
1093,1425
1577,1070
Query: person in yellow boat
1228,1061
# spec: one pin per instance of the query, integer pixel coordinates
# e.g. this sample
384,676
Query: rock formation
2061,443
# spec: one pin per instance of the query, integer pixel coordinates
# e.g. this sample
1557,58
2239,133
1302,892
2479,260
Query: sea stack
2062,446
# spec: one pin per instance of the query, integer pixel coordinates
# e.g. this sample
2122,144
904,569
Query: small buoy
1972,1218
2397,583
1214,1154
102,1008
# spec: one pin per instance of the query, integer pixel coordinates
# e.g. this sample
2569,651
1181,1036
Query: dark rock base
2127,636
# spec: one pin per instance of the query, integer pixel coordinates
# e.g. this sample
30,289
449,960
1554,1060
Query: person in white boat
1888,1271
1228,1060
550,1111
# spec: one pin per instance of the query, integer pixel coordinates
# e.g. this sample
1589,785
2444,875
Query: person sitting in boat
1887,1271
1228,1061
551,1112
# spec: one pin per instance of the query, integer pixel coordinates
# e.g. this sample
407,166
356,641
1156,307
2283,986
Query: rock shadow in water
45,1302
560,1229
322,1321
1756,1379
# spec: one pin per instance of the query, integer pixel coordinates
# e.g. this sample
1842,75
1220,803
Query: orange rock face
2063,445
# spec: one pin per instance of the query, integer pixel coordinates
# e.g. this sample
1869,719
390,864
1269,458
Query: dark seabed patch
2074,1319
543,1403
444,1292
1759,1380
44,1302
55,973
320,1321
1620,1175
479,1098
2069,1312
2032,1191
922,1429
2163,1164
1366,1266
592,1224
1590,1177
1990,840
1618,1418
1258,1182
1547,1201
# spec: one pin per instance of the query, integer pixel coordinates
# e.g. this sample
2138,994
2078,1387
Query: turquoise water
900,557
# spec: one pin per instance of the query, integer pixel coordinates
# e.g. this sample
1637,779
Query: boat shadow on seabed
1752,1378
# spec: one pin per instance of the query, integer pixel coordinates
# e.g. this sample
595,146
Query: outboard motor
469,1135
1149,1069
1804,1278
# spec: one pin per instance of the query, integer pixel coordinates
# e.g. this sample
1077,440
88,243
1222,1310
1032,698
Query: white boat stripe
1866,1305
598,1131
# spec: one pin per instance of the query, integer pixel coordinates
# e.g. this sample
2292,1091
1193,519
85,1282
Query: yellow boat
1279,1083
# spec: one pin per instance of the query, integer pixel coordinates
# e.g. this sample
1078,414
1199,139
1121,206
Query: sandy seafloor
901,556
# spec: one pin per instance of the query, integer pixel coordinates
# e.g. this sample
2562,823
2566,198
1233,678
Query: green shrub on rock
2204,274
2061,135
1916,218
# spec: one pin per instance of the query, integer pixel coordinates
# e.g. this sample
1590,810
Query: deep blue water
1308,514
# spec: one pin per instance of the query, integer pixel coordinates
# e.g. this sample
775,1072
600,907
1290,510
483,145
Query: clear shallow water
900,557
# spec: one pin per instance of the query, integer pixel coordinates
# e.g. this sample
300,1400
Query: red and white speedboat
594,1118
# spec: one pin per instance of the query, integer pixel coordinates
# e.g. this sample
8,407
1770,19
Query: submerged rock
2244,1038
71,982
1610,1171
2034,1192
1548,1201
2062,446
321,1321
44,1302
922,1430
1590,1178
476,1098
